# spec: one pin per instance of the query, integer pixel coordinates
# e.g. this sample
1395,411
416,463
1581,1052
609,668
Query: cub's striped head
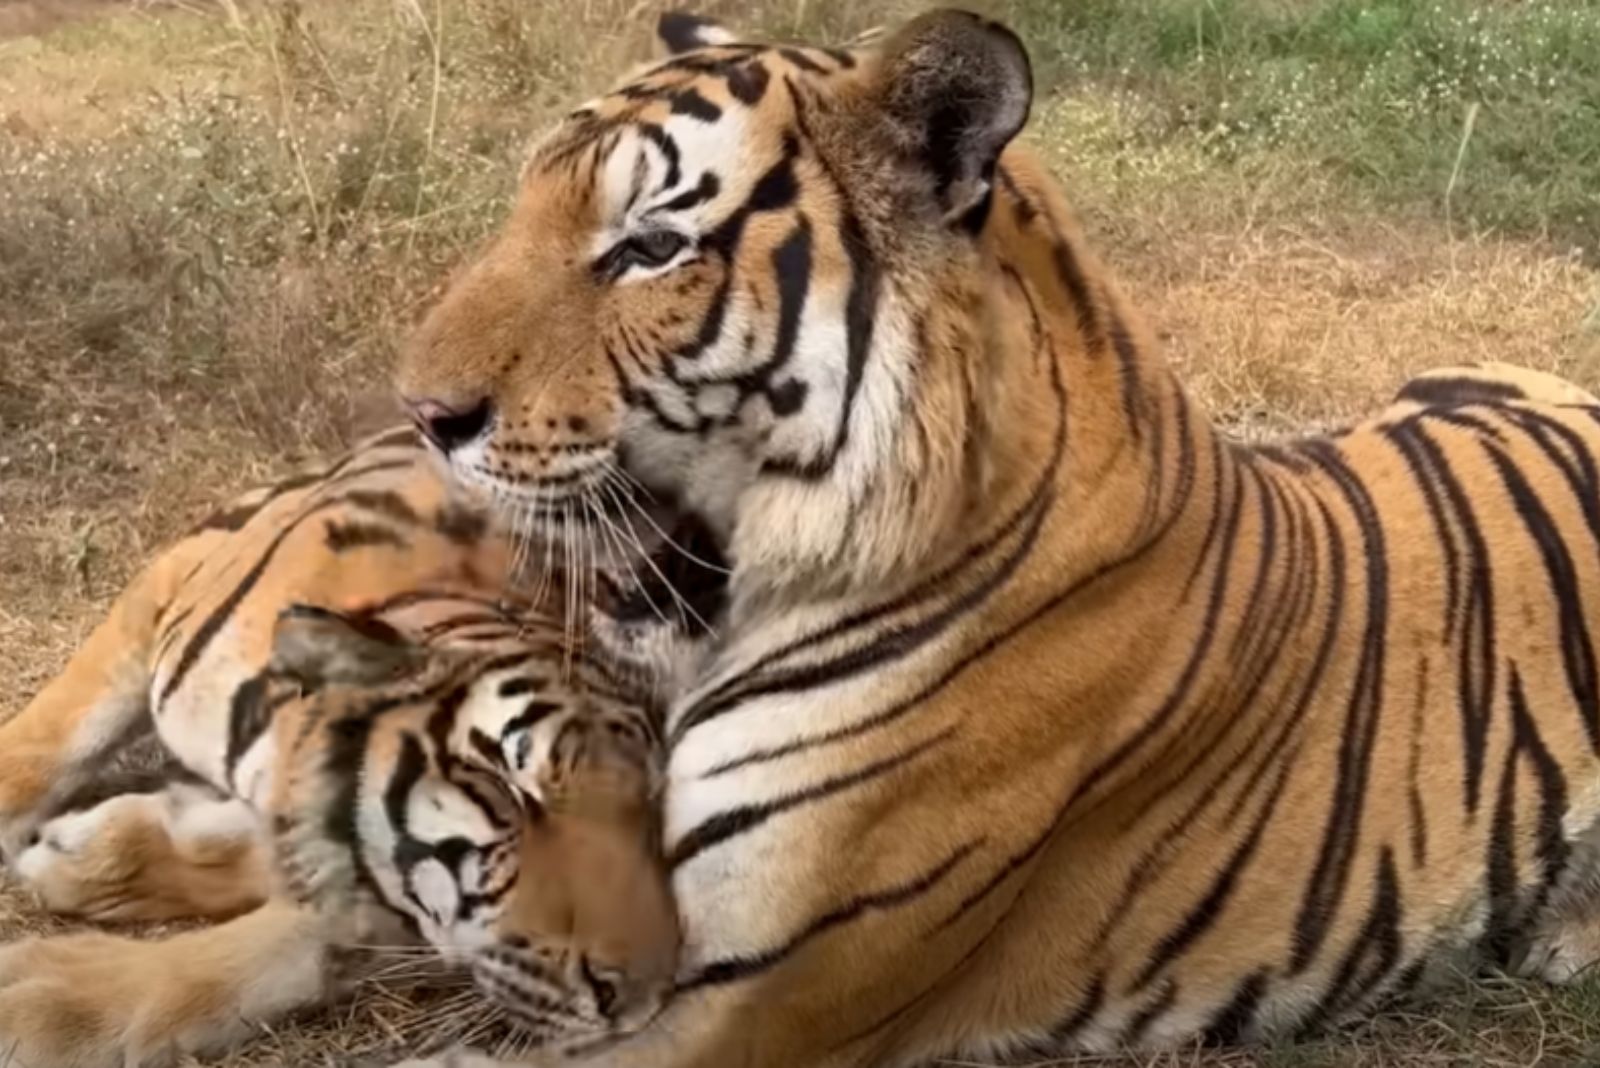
505,814
740,282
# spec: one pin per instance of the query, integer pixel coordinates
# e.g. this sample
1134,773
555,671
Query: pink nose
451,427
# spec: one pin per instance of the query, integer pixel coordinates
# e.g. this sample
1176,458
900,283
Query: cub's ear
678,32
956,88
317,646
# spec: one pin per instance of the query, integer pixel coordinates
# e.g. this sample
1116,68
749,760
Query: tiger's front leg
97,1000
98,704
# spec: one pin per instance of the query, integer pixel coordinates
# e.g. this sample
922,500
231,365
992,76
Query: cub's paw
176,854
80,1001
95,1000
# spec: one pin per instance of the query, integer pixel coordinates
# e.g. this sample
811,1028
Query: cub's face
706,293
505,817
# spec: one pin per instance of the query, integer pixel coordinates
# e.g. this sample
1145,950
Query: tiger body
386,737
1193,740
1045,717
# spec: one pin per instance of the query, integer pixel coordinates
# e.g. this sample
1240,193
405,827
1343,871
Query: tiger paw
177,854
75,1001
95,1000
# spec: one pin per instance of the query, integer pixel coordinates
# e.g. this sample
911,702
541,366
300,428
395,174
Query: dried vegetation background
218,217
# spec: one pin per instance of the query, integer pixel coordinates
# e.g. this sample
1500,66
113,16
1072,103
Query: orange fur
1045,716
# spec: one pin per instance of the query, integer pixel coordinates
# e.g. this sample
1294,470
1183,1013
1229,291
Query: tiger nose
451,426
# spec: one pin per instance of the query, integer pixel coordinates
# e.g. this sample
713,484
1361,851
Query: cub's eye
652,248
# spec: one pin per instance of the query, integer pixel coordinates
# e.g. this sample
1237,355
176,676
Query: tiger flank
381,743
1044,717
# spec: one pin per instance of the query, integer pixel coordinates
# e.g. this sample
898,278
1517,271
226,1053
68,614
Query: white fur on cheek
785,523
436,888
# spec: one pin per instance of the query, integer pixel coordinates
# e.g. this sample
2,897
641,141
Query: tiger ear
956,88
678,32
316,646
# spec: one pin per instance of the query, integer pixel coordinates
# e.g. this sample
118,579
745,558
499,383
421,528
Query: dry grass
216,221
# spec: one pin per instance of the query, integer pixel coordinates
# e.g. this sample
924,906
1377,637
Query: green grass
1373,94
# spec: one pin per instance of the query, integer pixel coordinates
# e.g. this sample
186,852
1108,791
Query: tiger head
501,813
714,287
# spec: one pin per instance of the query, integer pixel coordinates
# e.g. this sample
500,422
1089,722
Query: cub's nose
450,427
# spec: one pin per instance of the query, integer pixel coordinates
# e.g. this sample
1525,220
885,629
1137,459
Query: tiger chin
373,736
1044,716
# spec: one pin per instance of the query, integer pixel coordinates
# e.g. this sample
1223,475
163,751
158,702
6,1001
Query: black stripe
247,719
344,764
532,713
669,152
1127,371
1150,1014
1453,390
1235,1021
1178,697
1209,909
1333,628
688,101
1476,657
1577,653
521,684
1419,725
341,537
1500,870
861,307
487,748
1377,946
1328,881
1424,472
1069,272
1286,621
236,516
707,188
1551,841
1578,469
803,61
1080,1017
461,525
734,969
733,822
386,503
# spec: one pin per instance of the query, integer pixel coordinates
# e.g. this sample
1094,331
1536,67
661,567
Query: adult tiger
376,726
1046,717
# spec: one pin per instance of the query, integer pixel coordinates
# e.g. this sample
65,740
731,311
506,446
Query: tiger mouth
650,558
685,574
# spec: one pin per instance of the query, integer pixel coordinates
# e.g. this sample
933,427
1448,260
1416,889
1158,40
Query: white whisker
686,610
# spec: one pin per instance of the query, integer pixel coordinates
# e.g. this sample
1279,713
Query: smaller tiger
378,744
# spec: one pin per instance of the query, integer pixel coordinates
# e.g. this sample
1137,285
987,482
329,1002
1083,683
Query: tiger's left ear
956,88
317,647
678,32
